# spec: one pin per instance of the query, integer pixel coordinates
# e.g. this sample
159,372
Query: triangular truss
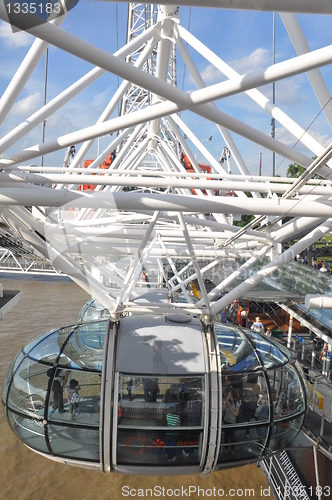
152,215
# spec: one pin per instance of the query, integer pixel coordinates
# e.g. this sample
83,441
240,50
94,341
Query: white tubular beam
194,262
318,301
279,261
163,59
191,157
295,227
142,202
114,102
29,229
171,263
224,132
178,166
52,106
224,227
297,6
290,330
138,270
278,71
233,276
148,114
114,144
191,278
197,143
182,174
315,77
138,257
254,94
120,180
309,172
162,309
24,72
116,162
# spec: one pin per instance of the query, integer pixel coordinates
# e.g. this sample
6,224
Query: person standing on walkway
257,325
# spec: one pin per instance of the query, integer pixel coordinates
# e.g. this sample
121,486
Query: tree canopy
294,170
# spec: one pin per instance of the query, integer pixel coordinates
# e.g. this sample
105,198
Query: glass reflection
174,448
158,401
30,431
49,348
26,349
270,353
288,390
29,388
87,402
74,442
85,346
242,447
92,311
9,374
285,432
236,352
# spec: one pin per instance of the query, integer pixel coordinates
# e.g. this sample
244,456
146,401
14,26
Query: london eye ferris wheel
147,222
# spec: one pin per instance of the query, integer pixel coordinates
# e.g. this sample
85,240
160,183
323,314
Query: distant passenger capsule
159,394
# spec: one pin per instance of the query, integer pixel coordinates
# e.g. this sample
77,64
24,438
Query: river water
48,304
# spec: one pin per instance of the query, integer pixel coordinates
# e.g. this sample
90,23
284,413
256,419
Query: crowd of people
317,255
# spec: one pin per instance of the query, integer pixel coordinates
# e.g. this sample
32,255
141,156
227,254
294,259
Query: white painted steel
24,72
313,301
282,259
146,211
297,6
301,46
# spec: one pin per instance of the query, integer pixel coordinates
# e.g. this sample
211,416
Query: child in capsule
73,397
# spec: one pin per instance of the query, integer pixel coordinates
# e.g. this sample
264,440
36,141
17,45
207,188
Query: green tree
294,170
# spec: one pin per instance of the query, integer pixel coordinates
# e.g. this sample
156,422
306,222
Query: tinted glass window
236,352
49,348
75,397
73,442
155,401
11,370
270,353
30,431
28,390
85,346
173,447
160,420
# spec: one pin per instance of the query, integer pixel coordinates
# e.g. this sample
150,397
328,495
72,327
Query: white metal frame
146,209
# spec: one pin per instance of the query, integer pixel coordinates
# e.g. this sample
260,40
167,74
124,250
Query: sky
242,39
